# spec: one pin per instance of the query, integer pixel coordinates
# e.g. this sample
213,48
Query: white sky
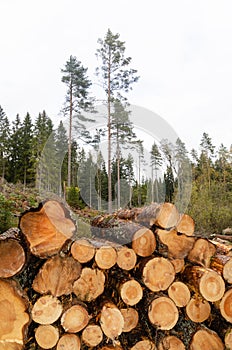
182,50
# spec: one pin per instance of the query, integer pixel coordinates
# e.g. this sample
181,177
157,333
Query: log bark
131,318
46,310
57,276
223,265
90,285
198,309
179,293
206,281
131,292
46,336
14,316
158,274
111,321
82,250
75,318
47,228
205,339
92,335
163,313
171,342
12,257
69,342
176,245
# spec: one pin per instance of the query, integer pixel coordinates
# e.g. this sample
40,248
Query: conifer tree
4,142
156,162
116,79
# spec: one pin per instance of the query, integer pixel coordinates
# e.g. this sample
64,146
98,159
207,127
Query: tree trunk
12,257
92,335
205,339
171,342
75,318
46,336
69,342
163,313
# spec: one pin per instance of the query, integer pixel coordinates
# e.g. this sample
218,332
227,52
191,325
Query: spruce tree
116,78
4,142
156,162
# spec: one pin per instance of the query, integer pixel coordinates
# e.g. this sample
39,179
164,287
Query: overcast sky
182,50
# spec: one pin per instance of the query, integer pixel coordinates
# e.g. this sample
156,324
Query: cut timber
92,335
144,345
158,274
143,242
46,310
111,321
178,245
226,306
223,265
69,342
106,257
186,225
75,319
11,346
163,313
202,252
228,339
131,292
82,250
227,271
178,264
131,318
111,347
47,336
126,258
57,276
14,318
198,310
171,342
90,284
205,339
208,282
179,293
47,228
12,257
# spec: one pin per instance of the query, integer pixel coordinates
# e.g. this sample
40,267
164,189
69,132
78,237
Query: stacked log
143,280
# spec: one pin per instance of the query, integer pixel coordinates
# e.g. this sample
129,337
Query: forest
68,160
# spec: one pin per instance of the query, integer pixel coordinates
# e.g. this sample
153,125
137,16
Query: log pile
143,280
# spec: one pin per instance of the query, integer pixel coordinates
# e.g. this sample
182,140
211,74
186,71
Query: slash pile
143,280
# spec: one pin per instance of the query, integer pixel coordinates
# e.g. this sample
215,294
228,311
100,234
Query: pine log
126,258
14,318
178,264
46,310
198,309
111,321
69,342
185,225
202,252
171,342
82,250
131,292
129,214
177,245
205,339
47,228
57,276
222,246
164,215
75,318
163,313
12,258
144,345
158,274
179,293
131,318
144,242
226,305
90,285
46,336
92,335
228,339
206,281
106,257
223,265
